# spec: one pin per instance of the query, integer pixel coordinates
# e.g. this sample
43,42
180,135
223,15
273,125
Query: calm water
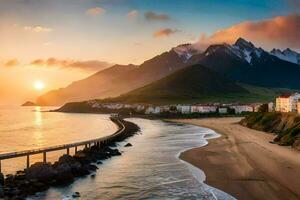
148,170
23,128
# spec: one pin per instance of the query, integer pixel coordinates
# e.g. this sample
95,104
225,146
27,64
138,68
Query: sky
60,41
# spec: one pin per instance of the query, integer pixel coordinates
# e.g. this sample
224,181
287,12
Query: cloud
37,29
152,16
95,11
92,65
280,32
133,14
165,32
11,63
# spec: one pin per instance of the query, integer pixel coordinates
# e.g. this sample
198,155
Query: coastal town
283,103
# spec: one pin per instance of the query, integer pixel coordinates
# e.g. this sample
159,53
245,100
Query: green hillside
196,84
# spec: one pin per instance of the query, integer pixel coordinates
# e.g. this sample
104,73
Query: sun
39,85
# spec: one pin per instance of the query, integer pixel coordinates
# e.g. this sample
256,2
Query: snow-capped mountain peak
246,50
287,55
186,51
243,44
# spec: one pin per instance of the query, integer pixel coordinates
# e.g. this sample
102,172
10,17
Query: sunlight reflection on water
24,128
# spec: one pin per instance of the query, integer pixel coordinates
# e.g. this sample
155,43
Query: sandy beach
244,164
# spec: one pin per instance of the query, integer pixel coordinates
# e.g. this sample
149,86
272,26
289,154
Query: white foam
199,175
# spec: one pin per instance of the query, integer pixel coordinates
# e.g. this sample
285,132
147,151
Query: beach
243,162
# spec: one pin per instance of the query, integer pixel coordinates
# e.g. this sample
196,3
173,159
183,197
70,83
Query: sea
149,170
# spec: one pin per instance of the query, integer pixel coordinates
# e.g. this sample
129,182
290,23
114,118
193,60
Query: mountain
192,84
246,63
242,62
28,103
120,79
88,88
287,55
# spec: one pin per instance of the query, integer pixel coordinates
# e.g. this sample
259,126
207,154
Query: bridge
87,144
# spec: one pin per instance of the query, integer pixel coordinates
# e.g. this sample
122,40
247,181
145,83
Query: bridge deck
65,146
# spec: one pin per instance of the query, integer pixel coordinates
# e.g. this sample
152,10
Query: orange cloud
11,63
93,65
95,11
281,32
152,16
165,32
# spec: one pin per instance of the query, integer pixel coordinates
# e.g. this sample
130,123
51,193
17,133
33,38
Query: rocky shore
40,176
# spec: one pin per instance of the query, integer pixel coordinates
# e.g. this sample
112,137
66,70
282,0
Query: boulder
90,167
1,191
128,145
41,171
99,163
69,161
76,195
1,179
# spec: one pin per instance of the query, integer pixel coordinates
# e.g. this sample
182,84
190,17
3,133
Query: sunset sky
60,41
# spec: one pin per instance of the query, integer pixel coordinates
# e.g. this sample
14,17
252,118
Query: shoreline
242,162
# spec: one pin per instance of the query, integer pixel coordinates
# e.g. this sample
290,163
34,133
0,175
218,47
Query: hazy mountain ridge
127,78
241,62
287,55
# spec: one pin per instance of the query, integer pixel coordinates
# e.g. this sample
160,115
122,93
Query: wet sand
244,164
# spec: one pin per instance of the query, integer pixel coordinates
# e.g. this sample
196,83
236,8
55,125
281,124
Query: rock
91,167
63,174
99,163
93,175
113,144
67,168
1,179
39,186
82,157
115,152
1,191
128,145
71,162
41,171
76,195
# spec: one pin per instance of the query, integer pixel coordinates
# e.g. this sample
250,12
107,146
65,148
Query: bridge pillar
44,157
68,151
75,149
28,162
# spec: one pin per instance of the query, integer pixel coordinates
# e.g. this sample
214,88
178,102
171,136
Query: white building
184,109
153,110
271,107
256,106
203,109
287,103
242,108
223,110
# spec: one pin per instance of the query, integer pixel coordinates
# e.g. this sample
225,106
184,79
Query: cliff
286,126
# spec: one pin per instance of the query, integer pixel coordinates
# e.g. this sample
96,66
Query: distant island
28,103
